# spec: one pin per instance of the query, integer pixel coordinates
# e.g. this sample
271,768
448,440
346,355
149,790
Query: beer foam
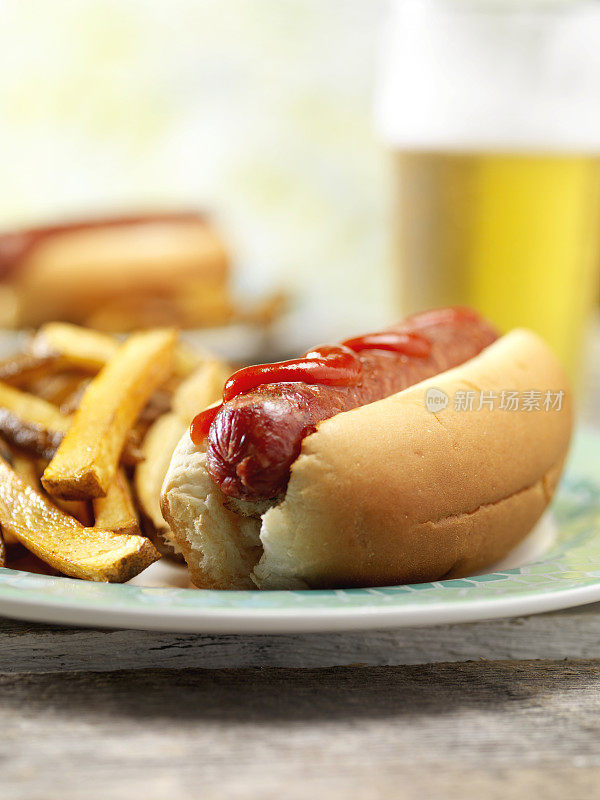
491,76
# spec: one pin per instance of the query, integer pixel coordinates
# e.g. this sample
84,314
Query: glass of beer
492,112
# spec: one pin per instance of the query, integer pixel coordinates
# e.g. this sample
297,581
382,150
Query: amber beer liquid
491,114
516,236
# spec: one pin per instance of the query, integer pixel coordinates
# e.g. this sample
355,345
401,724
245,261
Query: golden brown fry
87,458
201,389
5,538
157,405
189,303
186,360
26,467
5,451
199,303
79,347
90,350
59,389
36,426
80,509
29,422
30,469
54,370
23,367
59,540
158,446
116,512
32,472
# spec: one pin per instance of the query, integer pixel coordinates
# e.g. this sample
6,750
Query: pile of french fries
87,428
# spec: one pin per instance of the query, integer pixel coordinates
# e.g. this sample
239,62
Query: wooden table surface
502,709
505,709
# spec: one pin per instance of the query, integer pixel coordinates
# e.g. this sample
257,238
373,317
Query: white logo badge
436,400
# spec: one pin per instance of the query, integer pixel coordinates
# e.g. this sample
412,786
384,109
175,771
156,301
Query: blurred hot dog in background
116,273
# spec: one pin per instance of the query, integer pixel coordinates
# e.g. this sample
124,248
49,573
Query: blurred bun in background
116,273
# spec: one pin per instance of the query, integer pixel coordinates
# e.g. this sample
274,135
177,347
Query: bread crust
393,493
69,273
221,547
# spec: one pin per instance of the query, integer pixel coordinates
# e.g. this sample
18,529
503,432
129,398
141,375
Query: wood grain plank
470,729
27,647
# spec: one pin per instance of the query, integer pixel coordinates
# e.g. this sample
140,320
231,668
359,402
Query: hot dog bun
116,273
389,492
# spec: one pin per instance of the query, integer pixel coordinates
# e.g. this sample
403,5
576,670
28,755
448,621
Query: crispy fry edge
85,471
21,507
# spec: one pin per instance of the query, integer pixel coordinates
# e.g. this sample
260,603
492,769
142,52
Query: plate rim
297,620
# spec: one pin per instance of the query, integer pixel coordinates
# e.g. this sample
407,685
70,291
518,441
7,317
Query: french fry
186,360
5,451
90,350
87,458
59,540
23,367
132,412
158,447
201,389
191,303
61,389
29,422
5,537
157,405
79,347
32,471
38,427
116,511
80,509
26,468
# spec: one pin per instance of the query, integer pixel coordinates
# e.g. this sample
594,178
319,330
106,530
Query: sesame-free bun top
71,271
391,492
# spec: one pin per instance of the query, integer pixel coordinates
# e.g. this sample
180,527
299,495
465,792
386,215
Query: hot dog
256,436
116,273
330,471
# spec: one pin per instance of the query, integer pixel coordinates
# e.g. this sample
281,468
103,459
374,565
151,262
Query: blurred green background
259,111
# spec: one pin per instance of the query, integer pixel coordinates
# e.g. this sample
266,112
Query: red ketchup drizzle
407,344
440,316
201,423
327,365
